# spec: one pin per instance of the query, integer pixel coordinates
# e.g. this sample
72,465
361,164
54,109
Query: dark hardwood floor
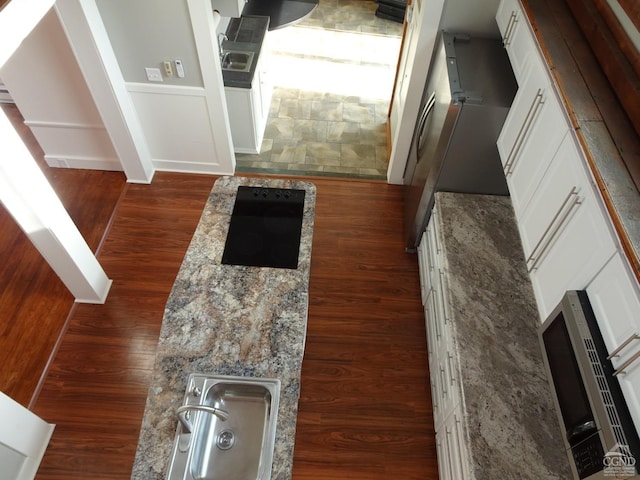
34,303
365,408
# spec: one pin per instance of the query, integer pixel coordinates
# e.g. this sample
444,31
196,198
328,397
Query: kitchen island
229,320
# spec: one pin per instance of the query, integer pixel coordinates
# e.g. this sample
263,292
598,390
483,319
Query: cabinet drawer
453,461
564,190
565,235
516,36
615,298
527,148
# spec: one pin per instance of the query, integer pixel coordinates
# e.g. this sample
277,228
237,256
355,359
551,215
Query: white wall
184,120
144,33
48,87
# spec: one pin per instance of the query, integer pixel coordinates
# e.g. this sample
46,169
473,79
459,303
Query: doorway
333,75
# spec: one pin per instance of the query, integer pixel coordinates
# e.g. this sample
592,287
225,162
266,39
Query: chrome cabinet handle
570,202
507,34
633,337
449,364
436,323
523,133
434,397
443,298
626,364
444,384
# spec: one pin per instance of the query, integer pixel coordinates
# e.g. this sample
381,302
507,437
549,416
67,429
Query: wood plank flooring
364,411
34,303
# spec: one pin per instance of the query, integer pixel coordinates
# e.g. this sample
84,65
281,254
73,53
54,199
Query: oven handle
580,430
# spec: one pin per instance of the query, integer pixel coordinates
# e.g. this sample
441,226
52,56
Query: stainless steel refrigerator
469,89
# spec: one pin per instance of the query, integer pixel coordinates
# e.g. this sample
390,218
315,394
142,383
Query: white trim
186,167
84,163
204,33
74,126
188,91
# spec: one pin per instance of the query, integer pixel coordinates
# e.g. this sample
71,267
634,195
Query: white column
28,196
90,43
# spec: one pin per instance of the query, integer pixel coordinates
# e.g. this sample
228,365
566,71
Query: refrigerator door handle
422,127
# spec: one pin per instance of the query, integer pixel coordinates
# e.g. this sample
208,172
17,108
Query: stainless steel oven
598,432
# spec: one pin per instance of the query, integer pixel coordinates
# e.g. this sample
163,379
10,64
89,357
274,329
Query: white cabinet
531,134
516,36
249,108
615,298
565,235
443,364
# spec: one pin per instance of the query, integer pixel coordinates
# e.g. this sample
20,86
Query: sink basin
237,61
238,448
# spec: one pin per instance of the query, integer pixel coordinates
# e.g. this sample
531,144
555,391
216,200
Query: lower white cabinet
249,109
443,365
615,298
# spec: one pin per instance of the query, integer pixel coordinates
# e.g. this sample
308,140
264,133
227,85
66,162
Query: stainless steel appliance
599,434
469,90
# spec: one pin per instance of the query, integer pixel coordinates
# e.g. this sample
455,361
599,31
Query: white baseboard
190,167
85,163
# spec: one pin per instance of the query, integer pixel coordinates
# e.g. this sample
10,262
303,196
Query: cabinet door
424,268
455,445
534,129
444,465
516,36
565,235
615,299
242,121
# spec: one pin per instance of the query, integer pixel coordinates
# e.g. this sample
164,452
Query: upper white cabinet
568,239
565,235
531,134
516,36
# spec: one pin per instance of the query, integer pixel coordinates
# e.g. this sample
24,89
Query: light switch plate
153,74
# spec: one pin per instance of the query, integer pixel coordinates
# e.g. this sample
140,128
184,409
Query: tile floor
333,75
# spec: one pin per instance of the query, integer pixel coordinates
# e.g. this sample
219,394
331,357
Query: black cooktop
265,228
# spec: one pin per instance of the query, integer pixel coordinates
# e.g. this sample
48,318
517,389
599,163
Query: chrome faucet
185,409
221,38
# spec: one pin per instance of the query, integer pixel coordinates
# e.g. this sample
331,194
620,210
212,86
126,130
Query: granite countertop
245,34
512,428
229,320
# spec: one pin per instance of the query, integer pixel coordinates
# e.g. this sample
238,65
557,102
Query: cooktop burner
265,228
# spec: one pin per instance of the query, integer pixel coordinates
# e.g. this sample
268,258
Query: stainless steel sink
237,61
239,447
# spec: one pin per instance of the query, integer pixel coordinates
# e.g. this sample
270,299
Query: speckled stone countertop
512,429
229,320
